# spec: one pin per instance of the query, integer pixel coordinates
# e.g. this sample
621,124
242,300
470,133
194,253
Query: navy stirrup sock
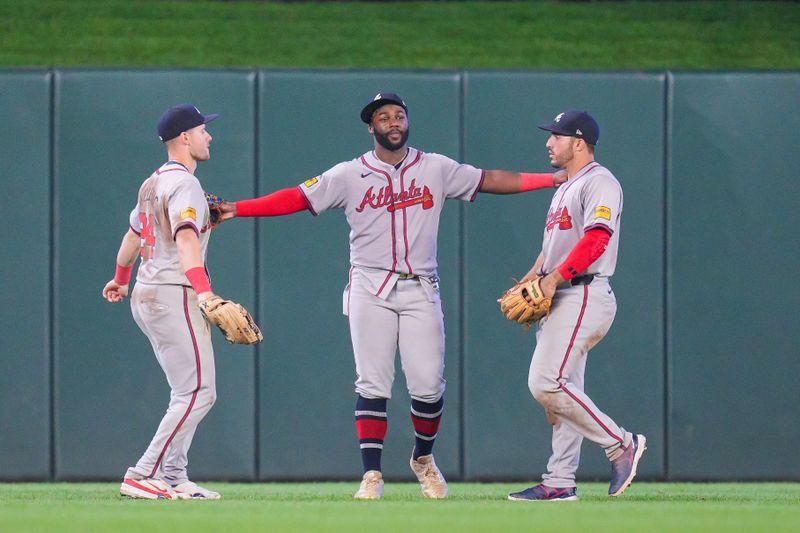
425,417
371,428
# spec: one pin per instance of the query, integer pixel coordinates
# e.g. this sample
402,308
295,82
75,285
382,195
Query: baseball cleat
189,490
543,493
371,486
430,477
623,468
147,489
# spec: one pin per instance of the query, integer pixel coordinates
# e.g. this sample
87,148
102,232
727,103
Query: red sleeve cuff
122,275
530,182
198,278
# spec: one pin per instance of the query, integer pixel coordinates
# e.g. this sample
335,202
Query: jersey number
147,236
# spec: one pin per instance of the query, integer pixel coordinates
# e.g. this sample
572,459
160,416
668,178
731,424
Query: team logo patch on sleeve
602,211
311,181
189,212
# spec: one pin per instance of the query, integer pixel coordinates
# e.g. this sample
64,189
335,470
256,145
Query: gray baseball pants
181,338
411,319
580,317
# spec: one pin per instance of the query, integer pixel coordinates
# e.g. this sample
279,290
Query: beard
383,140
562,159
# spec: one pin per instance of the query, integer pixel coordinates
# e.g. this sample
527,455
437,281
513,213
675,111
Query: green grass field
526,35
647,507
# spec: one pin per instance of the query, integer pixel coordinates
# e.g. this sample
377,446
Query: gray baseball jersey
165,308
591,198
171,198
393,212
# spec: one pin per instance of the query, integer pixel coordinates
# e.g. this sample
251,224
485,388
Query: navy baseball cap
574,124
180,118
380,100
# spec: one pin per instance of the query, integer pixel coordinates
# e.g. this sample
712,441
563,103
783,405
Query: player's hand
114,292
203,296
227,211
559,177
549,284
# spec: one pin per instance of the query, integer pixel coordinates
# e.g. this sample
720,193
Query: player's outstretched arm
278,203
506,182
117,288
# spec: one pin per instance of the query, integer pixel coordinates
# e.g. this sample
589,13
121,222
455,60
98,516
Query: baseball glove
214,210
232,319
525,303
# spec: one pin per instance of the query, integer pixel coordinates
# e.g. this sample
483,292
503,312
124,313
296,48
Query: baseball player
392,197
168,228
579,254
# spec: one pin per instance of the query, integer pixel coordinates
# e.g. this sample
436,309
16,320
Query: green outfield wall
702,358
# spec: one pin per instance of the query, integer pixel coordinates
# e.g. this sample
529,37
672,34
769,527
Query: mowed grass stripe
549,35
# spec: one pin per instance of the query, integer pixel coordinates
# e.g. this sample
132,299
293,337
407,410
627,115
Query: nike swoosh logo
365,175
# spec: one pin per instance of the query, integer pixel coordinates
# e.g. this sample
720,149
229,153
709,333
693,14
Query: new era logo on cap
574,124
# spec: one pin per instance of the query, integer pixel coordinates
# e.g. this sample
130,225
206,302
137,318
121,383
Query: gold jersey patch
602,211
311,181
189,212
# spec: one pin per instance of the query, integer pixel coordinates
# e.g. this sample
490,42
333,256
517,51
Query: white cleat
430,477
371,486
189,490
147,489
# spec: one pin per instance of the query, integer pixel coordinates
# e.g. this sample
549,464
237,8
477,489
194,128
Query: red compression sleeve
586,252
283,202
530,182
199,279
122,275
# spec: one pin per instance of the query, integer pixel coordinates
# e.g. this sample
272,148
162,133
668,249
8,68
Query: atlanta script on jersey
393,212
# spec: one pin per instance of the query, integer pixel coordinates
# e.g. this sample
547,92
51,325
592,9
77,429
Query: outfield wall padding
700,357
25,261
733,210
